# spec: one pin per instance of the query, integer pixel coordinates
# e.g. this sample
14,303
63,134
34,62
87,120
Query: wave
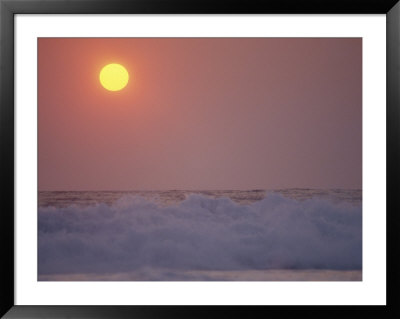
200,233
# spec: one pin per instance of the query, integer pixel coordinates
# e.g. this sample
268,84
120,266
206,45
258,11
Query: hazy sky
218,113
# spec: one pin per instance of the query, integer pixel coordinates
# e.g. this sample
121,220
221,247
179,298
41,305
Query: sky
200,113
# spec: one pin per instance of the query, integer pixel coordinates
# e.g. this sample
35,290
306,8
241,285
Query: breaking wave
200,233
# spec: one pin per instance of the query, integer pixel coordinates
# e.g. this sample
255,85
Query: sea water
176,235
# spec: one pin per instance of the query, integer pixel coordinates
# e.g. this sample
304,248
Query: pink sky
203,113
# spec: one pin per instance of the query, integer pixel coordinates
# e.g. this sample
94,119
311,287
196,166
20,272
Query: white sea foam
200,233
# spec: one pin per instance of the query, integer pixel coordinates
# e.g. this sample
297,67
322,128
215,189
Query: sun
114,77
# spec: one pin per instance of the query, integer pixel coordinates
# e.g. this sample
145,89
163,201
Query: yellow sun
114,77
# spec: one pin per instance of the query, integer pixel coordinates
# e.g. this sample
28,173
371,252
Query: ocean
183,235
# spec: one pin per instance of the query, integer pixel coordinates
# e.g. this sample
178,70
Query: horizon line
200,190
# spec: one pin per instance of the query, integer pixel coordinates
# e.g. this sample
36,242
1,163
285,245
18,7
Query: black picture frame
8,8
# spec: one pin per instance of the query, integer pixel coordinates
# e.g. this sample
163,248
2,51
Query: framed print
160,155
